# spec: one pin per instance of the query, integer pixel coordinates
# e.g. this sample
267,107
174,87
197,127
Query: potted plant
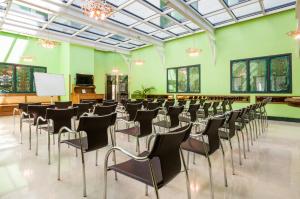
141,94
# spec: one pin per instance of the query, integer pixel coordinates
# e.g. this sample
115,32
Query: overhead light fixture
46,43
115,70
27,59
97,9
139,62
294,34
193,52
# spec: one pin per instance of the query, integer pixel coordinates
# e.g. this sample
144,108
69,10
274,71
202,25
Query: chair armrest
123,151
23,114
40,118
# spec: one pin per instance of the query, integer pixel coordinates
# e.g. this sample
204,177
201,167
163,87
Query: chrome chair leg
29,134
239,145
224,165
105,175
153,179
83,166
137,145
49,161
146,190
21,130
247,139
244,146
186,175
231,154
96,157
37,140
194,158
58,167
188,160
211,178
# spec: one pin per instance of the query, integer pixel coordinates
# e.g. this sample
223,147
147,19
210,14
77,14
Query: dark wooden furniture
293,101
85,93
236,98
277,99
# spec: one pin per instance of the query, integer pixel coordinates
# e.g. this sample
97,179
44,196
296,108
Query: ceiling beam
19,29
73,14
190,14
262,6
229,11
9,2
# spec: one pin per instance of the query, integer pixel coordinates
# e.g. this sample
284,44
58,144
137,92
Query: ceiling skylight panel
123,19
87,35
177,16
162,22
178,30
274,4
219,18
97,31
30,12
127,46
117,3
161,5
68,23
61,28
192,26
139,10
234,2
77,3
162,35
137,43
247,10
207,6
24,20
145,28
110,41
119,38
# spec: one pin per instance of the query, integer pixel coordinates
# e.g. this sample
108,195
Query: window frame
188,78
268,70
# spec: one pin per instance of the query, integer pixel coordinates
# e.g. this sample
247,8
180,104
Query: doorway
116,87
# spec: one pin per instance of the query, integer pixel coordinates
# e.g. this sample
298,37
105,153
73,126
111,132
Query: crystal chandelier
193,52
294,34
97,9
45,43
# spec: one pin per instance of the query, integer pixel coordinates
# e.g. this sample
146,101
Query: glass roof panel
178,30
137,43
88,35
234,2
269,4
24,20
192,26
139,10
162,22
247,10
110,41
77,3
97,31
176,15
119,38
30,12
117,2
158,4
68,23
128,46
207,6
145,28
219,18
123,19
61,28
162,35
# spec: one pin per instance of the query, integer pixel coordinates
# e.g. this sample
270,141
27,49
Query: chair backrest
168,104
104,110
202,102
230,102
144,118
152,105
193,101
181,102
60,118
96,130
109,103
193,108
24,106
173,112
224,105
212,132
160,101
63,104
82,108
206,106
37,111
234,115
145,104
166,148
215,107
131,109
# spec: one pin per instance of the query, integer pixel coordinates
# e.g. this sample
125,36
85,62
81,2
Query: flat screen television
84,79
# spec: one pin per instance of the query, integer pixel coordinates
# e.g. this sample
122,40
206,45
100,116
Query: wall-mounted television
84,79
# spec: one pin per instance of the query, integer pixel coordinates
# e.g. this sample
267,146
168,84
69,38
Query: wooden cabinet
276,99
85,93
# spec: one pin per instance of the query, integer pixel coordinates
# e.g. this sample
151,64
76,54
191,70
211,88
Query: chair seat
184,119
133,131
224,135
196,146
76,143
140,171
163,123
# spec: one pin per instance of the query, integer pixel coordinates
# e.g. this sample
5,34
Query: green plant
143,92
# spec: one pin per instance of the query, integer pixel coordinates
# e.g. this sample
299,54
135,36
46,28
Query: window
272,74
183,79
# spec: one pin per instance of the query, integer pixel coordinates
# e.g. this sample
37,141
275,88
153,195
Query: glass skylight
207,6
139,10
178,30
97,31
162,35
234,2
128,46
137,43
123,19
119,38
145,28
87,35
219,18
66,22
110,41
117,2
192,26
30,12
61,28
176,15
24,20
271,4
158,4
247,10
162,22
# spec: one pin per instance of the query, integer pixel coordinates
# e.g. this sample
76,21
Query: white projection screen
47,84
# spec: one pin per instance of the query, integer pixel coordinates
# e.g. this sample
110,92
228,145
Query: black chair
229,131
160,101
130,112
181,102
173,114
155,167
193,101
214,107
201,147
223,107
191,114
109,103
230,102
142,126
201,102
95,128
82,108
152,105
166,106
56,119
63,104
203,113
104,110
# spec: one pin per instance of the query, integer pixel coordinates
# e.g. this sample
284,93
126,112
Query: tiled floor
271,170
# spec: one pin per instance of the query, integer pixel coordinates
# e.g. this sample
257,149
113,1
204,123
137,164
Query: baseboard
284,119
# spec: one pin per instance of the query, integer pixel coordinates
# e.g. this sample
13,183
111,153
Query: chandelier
97,9
294,34
45,43
193,52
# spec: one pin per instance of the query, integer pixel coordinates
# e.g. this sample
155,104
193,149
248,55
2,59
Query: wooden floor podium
80,93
